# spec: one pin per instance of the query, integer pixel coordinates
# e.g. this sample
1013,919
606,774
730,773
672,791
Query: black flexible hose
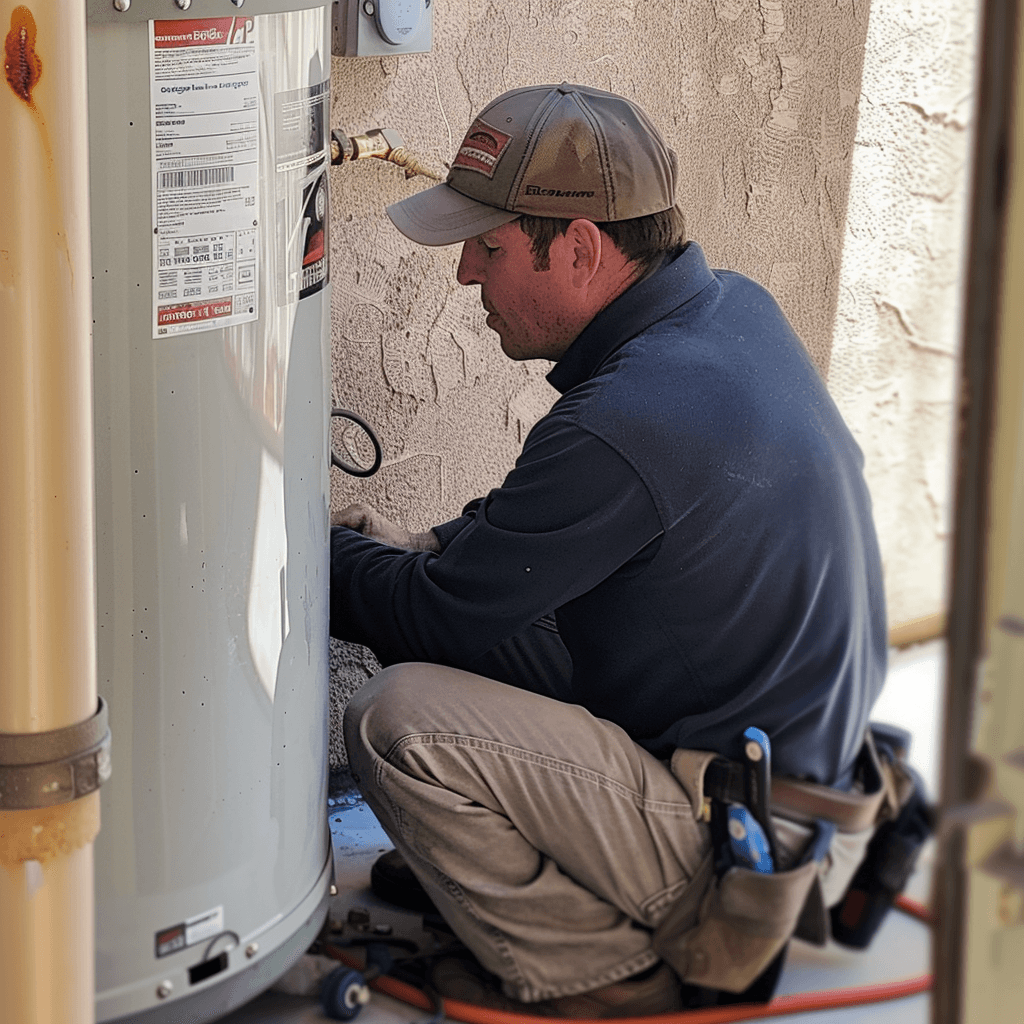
378,454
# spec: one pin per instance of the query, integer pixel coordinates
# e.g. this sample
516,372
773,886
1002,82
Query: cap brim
442,216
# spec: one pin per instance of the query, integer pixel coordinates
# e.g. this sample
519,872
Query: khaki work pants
550,841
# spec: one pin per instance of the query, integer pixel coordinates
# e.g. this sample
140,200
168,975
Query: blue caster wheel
344,994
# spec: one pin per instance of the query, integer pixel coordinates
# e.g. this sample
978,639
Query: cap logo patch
481,148
536,190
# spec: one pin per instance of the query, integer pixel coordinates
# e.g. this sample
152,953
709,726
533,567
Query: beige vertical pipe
47,607
992,922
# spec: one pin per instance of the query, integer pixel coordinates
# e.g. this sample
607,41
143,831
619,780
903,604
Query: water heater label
302,157
204,90
188,933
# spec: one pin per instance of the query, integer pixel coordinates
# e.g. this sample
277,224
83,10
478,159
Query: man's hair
642,240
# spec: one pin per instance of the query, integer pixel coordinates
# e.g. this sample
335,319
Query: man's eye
490,249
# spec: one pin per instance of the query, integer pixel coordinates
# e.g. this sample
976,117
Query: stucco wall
757,97
897,326
822,152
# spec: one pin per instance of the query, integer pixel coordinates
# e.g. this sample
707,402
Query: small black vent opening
207,969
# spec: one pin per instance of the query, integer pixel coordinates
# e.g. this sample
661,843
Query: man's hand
370,523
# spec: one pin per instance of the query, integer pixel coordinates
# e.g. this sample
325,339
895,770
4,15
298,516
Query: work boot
652,992
392,880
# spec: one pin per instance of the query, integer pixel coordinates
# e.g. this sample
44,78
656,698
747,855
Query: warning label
196,929
204,91
193,311
315,241
302,159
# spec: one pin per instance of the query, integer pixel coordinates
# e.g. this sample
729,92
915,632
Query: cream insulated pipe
47,609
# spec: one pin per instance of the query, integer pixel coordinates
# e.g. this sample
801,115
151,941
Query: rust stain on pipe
22,66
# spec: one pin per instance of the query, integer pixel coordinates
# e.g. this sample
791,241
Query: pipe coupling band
42,769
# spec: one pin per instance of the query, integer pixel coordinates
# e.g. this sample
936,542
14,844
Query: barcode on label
195,178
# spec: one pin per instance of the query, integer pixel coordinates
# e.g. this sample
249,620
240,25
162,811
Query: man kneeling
684,549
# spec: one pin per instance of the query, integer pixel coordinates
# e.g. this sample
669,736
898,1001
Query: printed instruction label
188,933
303,165
204,89
300,126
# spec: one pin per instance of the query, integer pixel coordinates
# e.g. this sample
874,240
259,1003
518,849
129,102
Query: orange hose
914,909
802,1002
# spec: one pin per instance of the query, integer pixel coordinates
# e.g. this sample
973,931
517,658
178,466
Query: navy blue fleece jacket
693,512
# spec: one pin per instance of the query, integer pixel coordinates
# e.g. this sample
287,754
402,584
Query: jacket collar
636,309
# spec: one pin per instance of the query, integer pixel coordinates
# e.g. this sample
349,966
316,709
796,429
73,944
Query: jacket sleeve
569,514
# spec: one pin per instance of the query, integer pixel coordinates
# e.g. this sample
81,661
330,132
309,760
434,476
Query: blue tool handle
748,841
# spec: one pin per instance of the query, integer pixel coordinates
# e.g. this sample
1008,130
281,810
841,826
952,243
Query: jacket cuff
447,532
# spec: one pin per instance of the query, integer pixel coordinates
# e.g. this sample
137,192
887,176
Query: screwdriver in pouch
750,826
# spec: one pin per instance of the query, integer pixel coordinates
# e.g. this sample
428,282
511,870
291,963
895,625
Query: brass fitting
382,143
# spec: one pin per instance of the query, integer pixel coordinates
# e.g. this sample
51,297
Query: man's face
530,310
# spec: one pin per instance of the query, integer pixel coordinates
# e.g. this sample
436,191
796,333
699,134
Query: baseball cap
550,151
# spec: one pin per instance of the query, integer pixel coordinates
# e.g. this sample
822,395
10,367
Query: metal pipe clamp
42,769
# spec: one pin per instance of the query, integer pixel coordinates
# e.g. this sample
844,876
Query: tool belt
730,928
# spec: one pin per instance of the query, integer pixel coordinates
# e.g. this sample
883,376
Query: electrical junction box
377,28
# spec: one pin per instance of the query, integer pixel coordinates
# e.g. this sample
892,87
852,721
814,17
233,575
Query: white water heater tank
209,174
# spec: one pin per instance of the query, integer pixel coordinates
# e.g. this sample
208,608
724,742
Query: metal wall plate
360,27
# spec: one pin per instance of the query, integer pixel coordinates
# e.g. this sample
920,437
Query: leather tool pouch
729,930
742,925
726,931
893,850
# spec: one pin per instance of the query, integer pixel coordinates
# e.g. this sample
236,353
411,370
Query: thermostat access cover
377,28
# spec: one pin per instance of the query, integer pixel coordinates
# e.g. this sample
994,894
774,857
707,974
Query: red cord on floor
914,909
803,1002
780,1006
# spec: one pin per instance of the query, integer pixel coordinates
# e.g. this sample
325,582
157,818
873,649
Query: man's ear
585,244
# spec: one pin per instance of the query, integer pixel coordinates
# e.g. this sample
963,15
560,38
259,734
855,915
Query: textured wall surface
757,97
894,351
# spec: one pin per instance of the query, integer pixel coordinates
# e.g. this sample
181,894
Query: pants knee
382,711
415,699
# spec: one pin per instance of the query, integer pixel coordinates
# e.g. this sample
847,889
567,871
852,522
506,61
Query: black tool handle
757,757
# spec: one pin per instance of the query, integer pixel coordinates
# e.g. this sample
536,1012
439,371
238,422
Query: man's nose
469,266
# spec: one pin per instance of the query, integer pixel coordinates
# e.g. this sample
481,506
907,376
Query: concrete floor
911,699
